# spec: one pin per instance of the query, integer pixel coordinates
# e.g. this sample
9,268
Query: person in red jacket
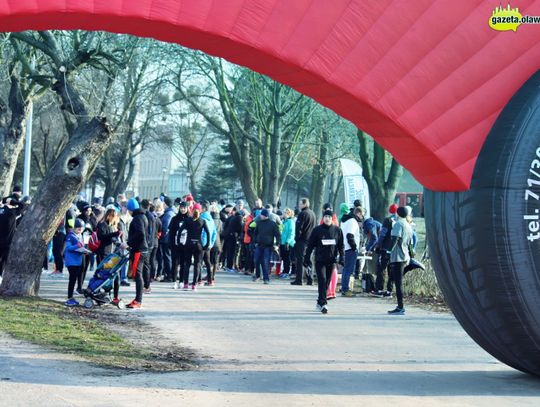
247,247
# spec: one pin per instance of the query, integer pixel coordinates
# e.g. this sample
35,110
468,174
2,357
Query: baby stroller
101,284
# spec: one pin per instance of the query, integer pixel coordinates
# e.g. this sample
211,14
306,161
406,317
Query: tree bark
55,194
12,139
319,174
382,188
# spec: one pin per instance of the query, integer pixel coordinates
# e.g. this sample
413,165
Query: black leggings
58,251
4,251
397,276
231,251
207,264
179,261
82,274
153,261
194,251
324,275
74,274
285,253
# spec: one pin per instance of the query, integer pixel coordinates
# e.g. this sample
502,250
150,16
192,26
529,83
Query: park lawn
52,325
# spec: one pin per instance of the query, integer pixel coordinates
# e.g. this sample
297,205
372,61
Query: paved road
267,345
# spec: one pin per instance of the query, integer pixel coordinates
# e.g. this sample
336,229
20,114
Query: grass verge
86,335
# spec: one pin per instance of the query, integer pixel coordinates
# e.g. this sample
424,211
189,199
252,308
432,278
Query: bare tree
382,181
89,136
192,143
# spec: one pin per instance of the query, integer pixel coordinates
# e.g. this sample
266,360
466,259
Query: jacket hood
206,216
346,217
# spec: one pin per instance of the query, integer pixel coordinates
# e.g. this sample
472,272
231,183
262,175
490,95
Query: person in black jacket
90,224
233,231
224,215
266,236
8,224
177,243
138,245
107,230
194,227
305,222
327,241
152,254
150,239
215,251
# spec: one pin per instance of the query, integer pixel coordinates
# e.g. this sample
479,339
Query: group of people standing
169,240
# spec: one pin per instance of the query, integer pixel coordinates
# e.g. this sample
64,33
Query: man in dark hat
17,192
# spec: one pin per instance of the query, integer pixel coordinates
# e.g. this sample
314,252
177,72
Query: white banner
355,185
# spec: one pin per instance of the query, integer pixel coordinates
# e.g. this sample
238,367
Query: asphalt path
266,344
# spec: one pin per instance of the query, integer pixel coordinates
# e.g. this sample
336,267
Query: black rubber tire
88,303
486,267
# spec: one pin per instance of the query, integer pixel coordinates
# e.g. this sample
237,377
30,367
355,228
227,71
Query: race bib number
328,242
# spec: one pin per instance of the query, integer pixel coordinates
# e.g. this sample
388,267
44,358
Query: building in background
154,171
178,183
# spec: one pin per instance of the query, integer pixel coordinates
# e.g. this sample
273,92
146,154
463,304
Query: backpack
94,243
181,237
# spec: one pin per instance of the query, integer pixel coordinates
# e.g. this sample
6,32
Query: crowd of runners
185,243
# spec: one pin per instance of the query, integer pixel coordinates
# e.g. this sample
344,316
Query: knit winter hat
393,208
265,212
189,197
79,223
132,204
343,209
328,212
404,211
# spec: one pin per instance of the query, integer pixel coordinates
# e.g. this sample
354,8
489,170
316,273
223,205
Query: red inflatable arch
425,78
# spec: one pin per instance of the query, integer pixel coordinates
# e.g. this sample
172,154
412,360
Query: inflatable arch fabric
453,99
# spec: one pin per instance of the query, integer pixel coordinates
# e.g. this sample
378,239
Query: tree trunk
12,139
241,160
55,194
381,188
337,181
319,175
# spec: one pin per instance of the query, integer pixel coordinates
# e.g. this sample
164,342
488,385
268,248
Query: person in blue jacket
73,258
287,241
204,238
371,229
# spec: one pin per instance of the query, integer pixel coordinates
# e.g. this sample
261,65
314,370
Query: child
73,257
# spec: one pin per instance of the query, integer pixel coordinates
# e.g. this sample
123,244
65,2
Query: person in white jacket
351,238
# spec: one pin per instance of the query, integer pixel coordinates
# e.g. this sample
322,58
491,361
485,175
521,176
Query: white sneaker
324,309
176,286
318,307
